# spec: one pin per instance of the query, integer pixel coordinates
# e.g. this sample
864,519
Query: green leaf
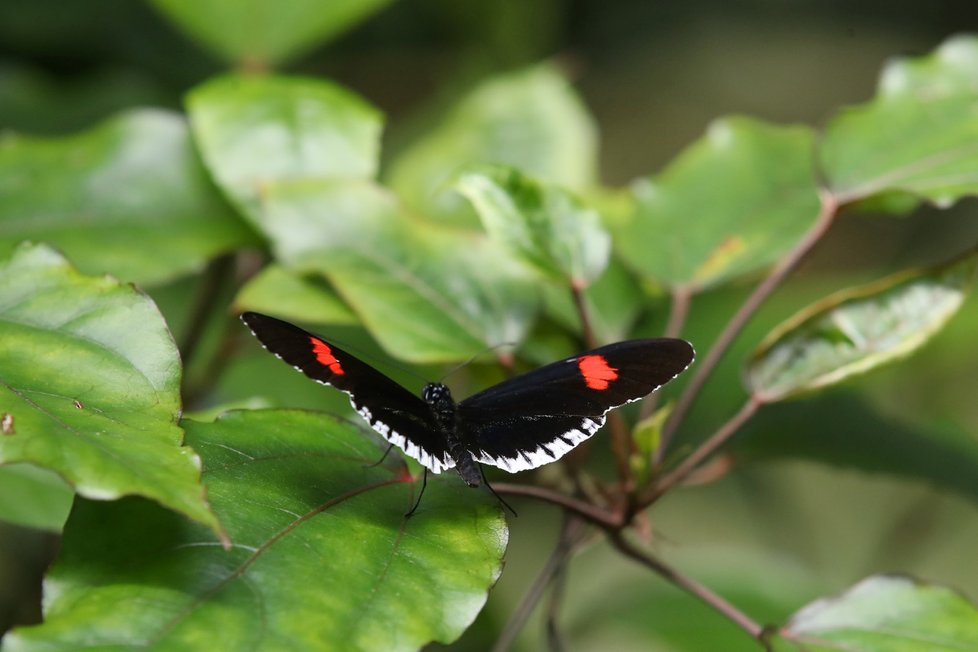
33,497
288,295
917,136
324,558
546,226
90,377
857,330
427,293
128,197
260,33
732,203
255,132
838,428
530,119
887,614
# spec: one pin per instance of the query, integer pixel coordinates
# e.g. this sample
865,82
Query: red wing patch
325,357
597,373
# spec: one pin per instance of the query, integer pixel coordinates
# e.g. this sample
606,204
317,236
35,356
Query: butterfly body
516,425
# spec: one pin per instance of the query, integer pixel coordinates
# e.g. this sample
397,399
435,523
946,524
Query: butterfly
519,424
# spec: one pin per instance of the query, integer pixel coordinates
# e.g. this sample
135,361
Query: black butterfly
519,424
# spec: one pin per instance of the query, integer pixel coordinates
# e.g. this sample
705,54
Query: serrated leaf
887,614
128,197
428,294
857,330
324,557
260,33
543,224
90,377
255,132
530,119
732,203
289,295
917,136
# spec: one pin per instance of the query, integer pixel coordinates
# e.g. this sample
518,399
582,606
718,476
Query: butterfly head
436,395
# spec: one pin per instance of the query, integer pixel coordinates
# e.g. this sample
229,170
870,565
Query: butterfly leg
381,460
424,483
498,497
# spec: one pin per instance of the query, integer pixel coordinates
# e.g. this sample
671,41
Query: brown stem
571,533
577,293
621,443
603,518
827,213
736,616
707,448
206,303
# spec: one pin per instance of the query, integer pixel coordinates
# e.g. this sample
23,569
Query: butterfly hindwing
399,416
538,417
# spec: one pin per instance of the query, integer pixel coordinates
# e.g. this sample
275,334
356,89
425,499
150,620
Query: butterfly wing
536,418
399,416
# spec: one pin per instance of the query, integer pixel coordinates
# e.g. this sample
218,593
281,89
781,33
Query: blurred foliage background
769,537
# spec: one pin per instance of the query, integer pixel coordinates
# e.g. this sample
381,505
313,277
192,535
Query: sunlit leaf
288,295
733,202
90,377
531,120
426,293
128,197
887,614
543,224
919,135
324,558
858,329
254,132
262,33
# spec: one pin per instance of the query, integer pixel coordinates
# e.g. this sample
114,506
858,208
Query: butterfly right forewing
399,416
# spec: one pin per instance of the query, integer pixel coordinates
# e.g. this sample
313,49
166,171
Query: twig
678,309
603,518
621,443
827,213
571,533
213,281
736,616
707,448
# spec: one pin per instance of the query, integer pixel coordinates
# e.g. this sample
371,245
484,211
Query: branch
688,584
603,518
827,213
571,533
707,448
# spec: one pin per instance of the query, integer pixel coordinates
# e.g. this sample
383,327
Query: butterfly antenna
498,497
424,483
474,358
381,460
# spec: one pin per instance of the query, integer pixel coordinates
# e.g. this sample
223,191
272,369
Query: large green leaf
33,497
292,296
733,202
919,135
426,293
543,224
128,197
259,33
90,378
324,558
858,329
530,119
254,132
886,614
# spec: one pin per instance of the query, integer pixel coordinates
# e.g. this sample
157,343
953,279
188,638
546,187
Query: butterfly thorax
443,407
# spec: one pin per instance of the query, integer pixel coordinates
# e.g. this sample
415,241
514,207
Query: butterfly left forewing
538,417
399,416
